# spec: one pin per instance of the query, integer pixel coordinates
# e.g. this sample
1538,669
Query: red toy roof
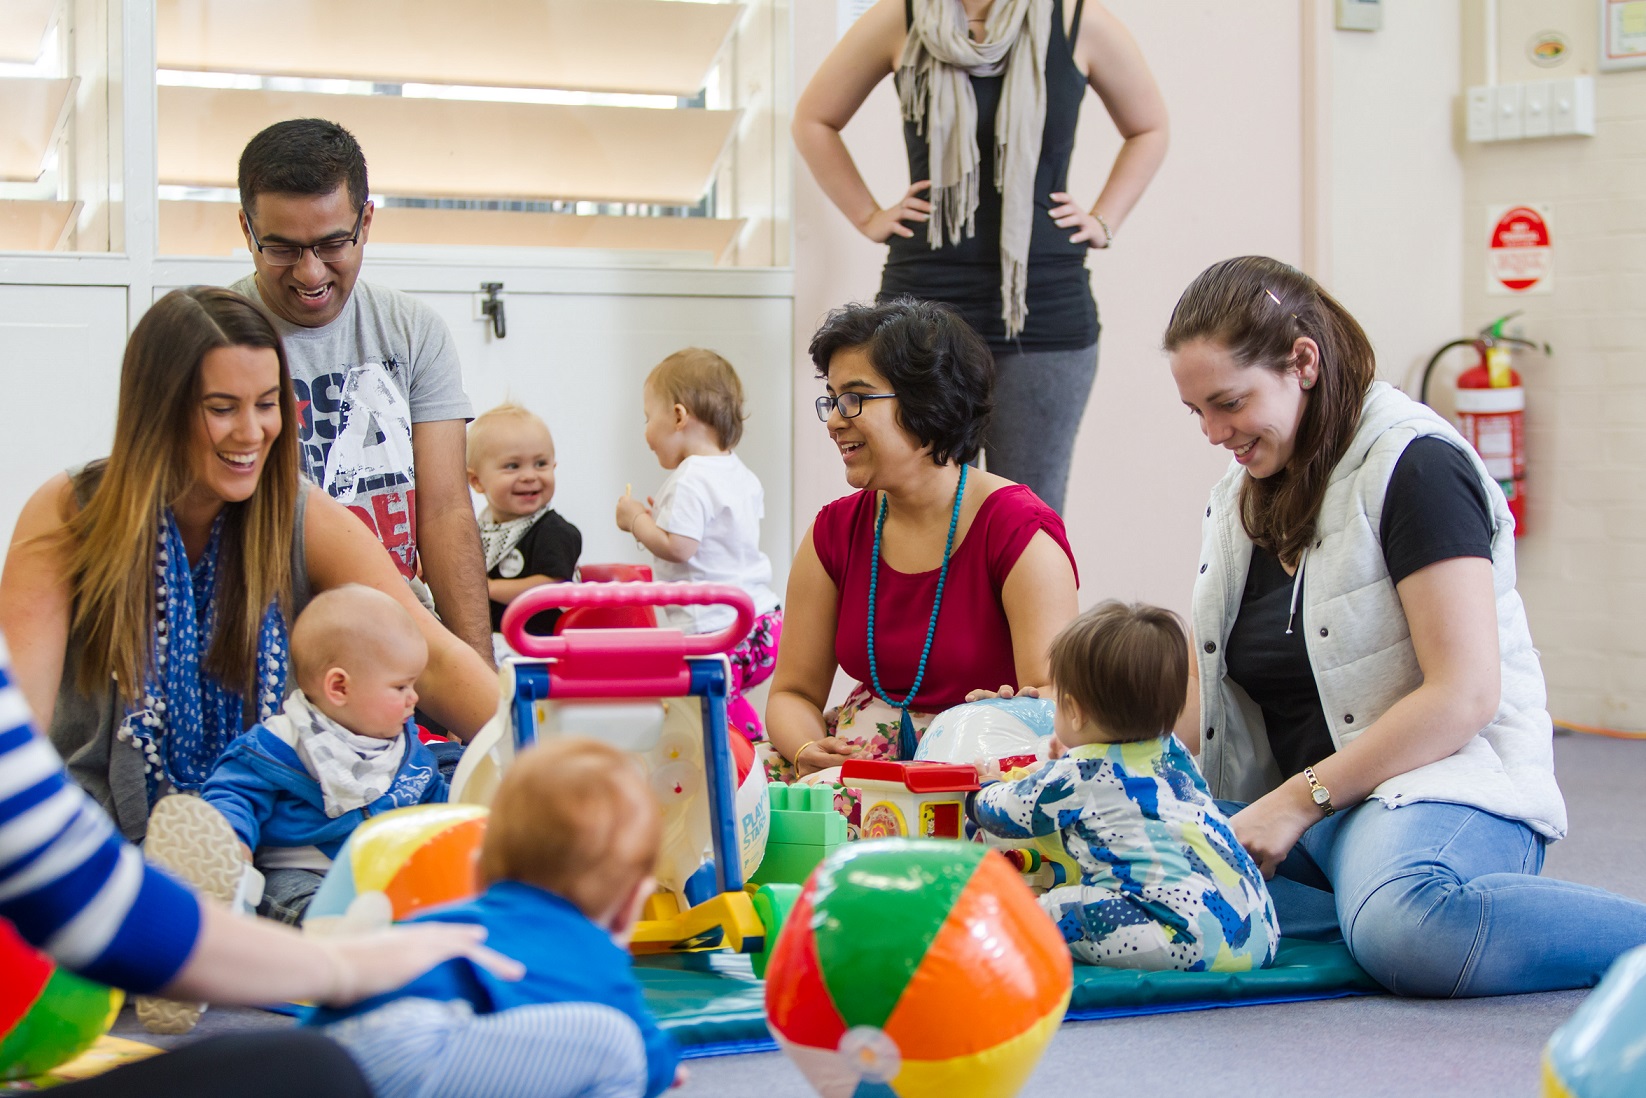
917,777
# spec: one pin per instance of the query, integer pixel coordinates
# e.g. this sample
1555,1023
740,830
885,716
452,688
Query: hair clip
1272,296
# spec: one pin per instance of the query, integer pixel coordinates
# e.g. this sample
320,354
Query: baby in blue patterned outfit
1164,884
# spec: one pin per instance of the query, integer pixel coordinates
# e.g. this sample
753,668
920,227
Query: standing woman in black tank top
1005,245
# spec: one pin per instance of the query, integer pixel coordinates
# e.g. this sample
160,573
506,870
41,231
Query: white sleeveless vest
1358,641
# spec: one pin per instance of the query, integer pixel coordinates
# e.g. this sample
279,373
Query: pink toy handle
607,595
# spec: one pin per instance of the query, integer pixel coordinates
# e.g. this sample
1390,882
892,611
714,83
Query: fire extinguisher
1491,407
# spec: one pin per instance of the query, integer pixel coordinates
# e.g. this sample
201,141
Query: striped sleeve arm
69,883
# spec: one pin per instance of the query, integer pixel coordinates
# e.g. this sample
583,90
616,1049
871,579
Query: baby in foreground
566,867
1164,883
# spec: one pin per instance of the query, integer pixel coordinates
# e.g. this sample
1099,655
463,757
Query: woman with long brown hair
1364,685
146,596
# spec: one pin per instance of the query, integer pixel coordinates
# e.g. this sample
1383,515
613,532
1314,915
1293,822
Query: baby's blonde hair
486,423
706,386
344,627
573,816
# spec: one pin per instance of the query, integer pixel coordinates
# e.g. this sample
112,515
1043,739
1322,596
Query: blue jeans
286,894
1445,900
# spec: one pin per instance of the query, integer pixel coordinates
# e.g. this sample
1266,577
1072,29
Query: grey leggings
1039,397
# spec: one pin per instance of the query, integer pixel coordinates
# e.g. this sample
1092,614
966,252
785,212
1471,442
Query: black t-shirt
550,548
1435,509
965,273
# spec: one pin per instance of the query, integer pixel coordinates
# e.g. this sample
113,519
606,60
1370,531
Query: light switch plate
1478,121
1572,106
1534,109
1507,121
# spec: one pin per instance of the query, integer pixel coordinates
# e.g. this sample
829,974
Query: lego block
805,815
789,863
804,828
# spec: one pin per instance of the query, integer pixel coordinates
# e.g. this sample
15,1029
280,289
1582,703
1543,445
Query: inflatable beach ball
995,728
47,1016
402,862
1598,1052
914,968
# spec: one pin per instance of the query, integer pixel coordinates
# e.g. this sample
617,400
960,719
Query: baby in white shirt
704,524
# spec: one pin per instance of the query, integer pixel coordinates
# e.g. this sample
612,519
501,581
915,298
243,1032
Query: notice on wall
1520,255
846,13
1622,34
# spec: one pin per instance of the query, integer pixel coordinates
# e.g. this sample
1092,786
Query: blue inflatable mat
714,1006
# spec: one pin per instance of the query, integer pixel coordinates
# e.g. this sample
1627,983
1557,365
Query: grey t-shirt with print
385,363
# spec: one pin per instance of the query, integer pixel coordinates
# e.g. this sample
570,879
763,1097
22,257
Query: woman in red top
970,574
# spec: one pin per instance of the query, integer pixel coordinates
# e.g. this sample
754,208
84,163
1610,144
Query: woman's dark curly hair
941,370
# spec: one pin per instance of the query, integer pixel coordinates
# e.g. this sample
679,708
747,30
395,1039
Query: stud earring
1308,383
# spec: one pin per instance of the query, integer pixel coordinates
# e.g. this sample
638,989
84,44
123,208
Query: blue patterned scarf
187,717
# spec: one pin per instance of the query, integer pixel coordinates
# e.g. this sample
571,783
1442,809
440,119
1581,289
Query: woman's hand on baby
371,964
1004,692
1271,825
629,509
882,225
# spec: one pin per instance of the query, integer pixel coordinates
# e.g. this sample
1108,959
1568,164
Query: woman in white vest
1365,687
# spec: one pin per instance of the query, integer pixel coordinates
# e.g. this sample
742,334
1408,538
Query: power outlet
1360,15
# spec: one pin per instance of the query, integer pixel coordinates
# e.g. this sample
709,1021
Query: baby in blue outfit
567,867
343,748
1164,883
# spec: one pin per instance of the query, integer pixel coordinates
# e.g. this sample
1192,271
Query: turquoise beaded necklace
906,741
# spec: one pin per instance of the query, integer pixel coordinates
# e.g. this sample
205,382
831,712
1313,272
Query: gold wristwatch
1318,793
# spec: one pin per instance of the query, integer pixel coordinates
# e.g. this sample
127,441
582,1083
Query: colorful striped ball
47,1016
916,968
404,861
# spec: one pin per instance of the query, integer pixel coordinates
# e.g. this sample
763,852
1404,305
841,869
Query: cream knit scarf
935,90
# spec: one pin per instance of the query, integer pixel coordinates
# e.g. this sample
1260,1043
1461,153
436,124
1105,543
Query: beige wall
1393,186
1231,185
1580,561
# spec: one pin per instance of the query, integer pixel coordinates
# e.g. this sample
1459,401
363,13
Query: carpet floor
1363,1047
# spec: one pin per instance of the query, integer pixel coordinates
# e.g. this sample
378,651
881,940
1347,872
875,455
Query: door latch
492,308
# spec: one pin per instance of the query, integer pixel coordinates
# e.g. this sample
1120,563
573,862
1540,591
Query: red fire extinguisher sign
1520,251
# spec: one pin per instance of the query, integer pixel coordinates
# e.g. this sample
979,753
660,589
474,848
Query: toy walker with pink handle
661,694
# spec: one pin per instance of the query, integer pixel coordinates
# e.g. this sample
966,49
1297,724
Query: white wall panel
580,360
60,350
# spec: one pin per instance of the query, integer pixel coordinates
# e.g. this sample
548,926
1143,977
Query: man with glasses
381,407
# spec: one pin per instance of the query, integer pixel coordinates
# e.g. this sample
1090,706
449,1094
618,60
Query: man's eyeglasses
850,404
327,251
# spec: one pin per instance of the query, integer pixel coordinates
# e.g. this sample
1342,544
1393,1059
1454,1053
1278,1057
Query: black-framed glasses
850,404
327,251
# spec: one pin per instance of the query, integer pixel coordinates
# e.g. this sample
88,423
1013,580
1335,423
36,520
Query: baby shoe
193,842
